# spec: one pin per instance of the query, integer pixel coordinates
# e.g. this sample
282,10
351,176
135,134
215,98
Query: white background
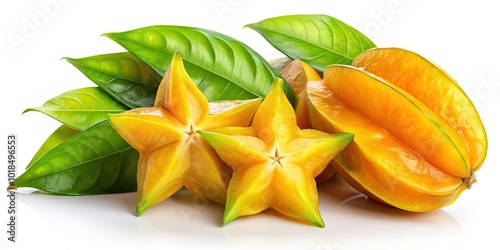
460,36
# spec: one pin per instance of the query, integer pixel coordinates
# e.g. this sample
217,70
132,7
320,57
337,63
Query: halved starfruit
419,139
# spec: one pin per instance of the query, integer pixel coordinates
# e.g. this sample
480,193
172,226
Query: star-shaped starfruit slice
172,153
274,162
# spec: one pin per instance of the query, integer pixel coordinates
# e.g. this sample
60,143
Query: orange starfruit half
172,153
274,162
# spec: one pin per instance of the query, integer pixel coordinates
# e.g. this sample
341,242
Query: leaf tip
27,110
65,58
109,35
249,25
70,60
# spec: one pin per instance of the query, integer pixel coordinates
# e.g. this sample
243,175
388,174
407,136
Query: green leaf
80,108
121,75
94,161
318,40
57,137
222,67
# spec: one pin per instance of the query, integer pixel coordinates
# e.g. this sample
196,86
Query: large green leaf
94,161
60,135
222,67
318,40
80,108
123,76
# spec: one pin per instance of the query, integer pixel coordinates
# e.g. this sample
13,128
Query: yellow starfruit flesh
274,162
172,153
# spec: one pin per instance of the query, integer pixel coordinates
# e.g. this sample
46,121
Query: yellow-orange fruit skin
431,85
395,154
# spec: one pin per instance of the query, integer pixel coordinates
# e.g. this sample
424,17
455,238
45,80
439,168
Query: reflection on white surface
186,221
361,223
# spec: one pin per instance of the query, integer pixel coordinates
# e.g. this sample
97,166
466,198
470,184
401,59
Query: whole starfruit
419,139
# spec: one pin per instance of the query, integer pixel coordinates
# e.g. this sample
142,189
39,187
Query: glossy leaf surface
94,161
60,135
222,67
122,75
80,108
318,40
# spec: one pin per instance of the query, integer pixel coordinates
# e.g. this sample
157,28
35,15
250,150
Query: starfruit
419,139
172,153
274,162
298,73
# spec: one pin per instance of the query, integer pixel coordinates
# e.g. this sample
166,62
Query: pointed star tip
228,217
225,221
349,136
140,208
278,82
319,224
345,138
138,213
317,220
